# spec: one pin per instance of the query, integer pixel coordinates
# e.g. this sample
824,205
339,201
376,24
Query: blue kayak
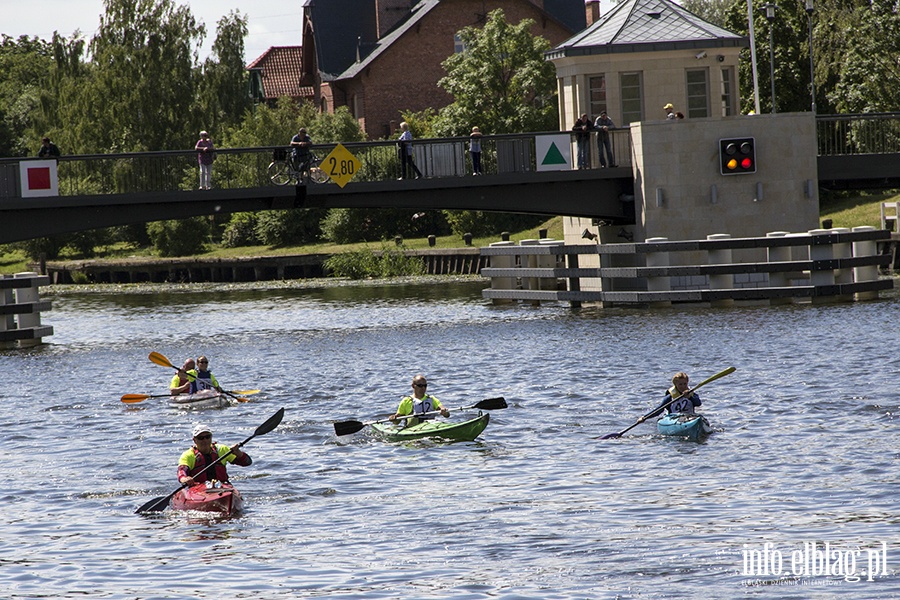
691,426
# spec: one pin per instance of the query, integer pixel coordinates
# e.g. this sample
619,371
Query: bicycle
282,170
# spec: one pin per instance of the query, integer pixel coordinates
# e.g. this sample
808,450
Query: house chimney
592,11
389,12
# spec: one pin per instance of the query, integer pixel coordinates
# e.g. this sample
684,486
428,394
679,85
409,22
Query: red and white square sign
38,178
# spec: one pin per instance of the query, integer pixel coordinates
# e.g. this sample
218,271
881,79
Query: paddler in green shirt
419,403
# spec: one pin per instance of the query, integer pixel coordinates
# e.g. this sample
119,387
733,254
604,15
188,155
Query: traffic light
737,156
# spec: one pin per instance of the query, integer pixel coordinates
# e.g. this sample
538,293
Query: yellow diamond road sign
340,165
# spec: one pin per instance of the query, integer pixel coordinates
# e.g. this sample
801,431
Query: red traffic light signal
737,156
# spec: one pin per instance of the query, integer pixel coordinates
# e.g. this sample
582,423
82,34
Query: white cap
200,428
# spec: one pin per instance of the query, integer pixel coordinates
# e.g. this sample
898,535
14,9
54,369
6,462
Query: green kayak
464,431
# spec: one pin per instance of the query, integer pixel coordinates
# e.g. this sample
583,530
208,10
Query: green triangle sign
553,156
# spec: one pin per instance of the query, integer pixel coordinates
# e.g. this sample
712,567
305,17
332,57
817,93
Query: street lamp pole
770,17
812,73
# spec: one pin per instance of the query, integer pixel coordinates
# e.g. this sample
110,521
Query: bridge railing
236,168
868,133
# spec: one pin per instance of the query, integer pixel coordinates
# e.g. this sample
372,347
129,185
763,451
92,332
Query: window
697,93
458,45
727,91
597,91
632,97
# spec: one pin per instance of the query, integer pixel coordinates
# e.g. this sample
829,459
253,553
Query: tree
24,67
500,82
223,96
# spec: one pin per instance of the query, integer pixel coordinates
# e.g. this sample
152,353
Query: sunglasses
205,436
420,384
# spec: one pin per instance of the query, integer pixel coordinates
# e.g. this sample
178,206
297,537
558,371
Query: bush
241,231
365,263
353,225
480,223
287,227
179,238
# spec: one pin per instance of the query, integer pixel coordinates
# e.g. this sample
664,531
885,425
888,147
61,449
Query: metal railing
867,133
237,168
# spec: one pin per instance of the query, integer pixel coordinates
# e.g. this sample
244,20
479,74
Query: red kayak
212,496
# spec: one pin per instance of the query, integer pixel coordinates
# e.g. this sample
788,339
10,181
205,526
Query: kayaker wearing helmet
204,379
181,382
419,403
205,452
684,404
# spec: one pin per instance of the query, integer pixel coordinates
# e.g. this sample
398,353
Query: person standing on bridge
301,147
475,150
603,124
404,149
48,149
205,156
582,129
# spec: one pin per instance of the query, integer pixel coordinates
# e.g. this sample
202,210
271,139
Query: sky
270,22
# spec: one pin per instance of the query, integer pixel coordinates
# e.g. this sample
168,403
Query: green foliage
222,87
352,225
390,262
183,237
501,81
285,227
24,67
482,223
241,231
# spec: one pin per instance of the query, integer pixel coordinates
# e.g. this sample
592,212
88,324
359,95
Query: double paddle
159,359
135,398
159,504
664,406
348,427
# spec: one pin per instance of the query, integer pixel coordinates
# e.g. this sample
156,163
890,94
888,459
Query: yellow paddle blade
245,392
159,359
133,398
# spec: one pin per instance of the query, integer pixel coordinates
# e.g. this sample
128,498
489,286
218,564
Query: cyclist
301,145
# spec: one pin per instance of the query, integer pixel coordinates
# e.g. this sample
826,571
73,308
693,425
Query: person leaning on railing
301,145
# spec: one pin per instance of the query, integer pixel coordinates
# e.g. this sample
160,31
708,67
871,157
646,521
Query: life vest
420,406
218,472
204,380
682,405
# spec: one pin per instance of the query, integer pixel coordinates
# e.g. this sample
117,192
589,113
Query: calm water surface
537,508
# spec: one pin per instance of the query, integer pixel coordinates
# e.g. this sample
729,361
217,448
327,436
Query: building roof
347,38
646,26
280,68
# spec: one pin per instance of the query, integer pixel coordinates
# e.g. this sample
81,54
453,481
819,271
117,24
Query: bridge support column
821,277
28,295
722,281
779,279
503,261
842,276
867,273
530,261
658,284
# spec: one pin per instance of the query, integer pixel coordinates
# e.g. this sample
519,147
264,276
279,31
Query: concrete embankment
451,261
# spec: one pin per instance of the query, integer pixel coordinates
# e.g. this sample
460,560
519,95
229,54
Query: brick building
276,73
381,57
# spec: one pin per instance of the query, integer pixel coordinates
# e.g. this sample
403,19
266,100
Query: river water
804,454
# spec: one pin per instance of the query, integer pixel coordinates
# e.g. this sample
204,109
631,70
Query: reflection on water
537,507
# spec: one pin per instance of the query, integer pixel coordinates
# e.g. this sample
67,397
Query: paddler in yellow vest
685,404
205,452
181,382
419,403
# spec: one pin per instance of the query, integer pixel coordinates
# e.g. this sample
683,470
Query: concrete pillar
530,261
505,261
548,262
821,278
779,279
7,322
842,276
720,281
658,284
868,273
26,321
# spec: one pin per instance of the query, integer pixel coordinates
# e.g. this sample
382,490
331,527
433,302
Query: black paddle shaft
159,504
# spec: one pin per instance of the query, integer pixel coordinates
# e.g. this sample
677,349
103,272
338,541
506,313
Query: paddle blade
609,436
244,392
159,359
491,404
348,427
270,424
156,505
134,398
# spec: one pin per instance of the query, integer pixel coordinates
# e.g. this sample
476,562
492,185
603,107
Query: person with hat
670,111
205,452
301,152
475,150
205,156
603,124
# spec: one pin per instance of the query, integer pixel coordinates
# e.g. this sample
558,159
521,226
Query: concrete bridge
854,151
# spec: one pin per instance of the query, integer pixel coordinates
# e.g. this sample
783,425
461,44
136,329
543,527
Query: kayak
464,431
201,399
691,426
212,496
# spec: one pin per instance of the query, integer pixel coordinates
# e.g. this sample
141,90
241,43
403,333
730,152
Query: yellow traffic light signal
737,156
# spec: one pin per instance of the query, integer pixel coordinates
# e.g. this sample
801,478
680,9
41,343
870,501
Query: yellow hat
668,106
